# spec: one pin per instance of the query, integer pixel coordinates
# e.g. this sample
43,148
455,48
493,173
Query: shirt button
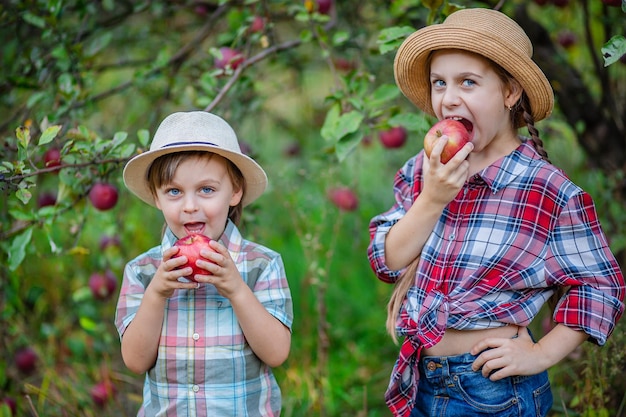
451,236
195,388
196,336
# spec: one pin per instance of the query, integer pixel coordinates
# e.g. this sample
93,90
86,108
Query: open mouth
197,227
469,126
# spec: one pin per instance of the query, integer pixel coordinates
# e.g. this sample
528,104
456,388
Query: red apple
457,135
190,246
102,392
394,137
257,25
103,196
344,198
52,158
46,198
102,285
229,58
11,403
26,360
566,38
324,6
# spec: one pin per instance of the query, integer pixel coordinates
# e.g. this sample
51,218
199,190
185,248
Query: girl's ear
512,93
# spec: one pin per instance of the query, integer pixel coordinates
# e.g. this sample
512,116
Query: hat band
189,143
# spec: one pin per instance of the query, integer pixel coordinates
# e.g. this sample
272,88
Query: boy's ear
236,198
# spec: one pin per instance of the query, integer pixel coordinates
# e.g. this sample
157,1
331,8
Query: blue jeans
449,387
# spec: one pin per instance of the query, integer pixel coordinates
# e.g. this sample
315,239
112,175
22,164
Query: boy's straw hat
194,131
486,32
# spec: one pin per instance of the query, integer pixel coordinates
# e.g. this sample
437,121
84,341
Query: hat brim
136,169
412,73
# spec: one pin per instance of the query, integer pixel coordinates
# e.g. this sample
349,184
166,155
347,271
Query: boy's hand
222,269
166,278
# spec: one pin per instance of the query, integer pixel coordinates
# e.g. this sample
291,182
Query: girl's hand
166,278
442,182
223,271
508,357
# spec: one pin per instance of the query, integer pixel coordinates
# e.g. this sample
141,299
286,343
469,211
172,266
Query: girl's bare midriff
456,342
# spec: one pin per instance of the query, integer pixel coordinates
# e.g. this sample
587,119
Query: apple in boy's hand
190,246
457,135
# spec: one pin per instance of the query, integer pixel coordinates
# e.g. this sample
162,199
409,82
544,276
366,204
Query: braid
530,124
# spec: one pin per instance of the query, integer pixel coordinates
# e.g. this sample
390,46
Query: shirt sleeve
137,275
272,290
579,257
406,187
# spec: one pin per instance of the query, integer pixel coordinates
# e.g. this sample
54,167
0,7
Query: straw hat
194,131
486,32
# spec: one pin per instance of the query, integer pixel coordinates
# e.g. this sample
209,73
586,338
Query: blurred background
308,86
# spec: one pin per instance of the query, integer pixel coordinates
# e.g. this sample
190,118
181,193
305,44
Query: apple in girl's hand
457,135
190,246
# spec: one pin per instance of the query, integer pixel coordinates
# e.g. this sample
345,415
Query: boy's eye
207,190
173,191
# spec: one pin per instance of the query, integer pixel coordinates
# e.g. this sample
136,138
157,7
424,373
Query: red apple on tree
102,392
344,198
394,137
190,246
456,132
257,25
102,285
10,403
26,360
103,196
229,57
52,158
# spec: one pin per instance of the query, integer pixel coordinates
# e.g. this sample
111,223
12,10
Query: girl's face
465,86
198,198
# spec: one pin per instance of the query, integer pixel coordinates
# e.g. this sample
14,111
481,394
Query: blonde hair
400,290
162,170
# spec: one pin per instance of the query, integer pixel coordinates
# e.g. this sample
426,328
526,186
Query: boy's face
198,198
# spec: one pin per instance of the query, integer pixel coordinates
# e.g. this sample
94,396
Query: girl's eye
173,191
207,190
438,83
468,83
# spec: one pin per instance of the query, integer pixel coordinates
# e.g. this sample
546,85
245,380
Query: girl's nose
451,97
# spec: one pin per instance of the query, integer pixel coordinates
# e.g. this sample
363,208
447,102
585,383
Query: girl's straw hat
486,32
194,131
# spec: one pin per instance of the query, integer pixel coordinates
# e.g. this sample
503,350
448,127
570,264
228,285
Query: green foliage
92,80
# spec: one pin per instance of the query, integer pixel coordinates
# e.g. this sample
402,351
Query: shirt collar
505,170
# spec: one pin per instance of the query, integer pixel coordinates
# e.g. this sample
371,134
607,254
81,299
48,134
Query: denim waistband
437,366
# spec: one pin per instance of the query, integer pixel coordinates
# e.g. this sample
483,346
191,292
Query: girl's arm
405,240
522,356
267,336
140,341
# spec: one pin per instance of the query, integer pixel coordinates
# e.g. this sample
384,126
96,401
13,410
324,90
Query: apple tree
308,86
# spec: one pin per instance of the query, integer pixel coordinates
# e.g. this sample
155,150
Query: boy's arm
268,337
140,341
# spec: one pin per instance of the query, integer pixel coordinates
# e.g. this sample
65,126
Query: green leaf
17,250
23,136
144,136
24,195
345,146
49,134
411,121
390,39
34,20
613,50
336,127
382,95
88,324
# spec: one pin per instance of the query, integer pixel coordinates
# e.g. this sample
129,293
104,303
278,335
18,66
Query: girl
207,348
476,246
